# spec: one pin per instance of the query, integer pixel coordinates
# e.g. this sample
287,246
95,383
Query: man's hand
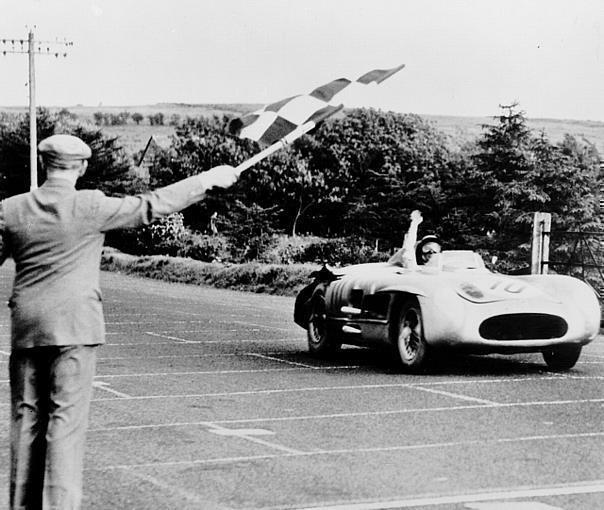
416,217
221,176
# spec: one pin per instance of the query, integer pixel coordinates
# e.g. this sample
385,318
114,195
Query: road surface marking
249,435
511,505
272,358
499,494
183,340
242,432
455,395
105,387
170,487
352,451
328,416
170,356
411,410
261,326
223,341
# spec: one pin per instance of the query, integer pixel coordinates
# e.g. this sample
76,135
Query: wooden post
542,223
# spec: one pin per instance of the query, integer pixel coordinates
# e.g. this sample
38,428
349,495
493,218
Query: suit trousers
51,389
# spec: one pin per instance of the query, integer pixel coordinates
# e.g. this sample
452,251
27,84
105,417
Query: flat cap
64,148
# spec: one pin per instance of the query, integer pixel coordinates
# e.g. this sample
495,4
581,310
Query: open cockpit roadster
456,303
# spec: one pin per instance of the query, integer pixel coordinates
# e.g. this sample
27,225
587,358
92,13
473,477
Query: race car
454,303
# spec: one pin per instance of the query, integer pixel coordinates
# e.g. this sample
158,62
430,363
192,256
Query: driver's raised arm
405,257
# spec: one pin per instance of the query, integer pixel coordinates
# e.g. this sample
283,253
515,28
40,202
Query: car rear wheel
320,342
411,347
562,358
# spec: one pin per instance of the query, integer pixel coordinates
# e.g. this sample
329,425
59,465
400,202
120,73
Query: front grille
523,326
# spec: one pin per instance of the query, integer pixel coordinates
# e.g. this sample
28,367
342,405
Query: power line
32,47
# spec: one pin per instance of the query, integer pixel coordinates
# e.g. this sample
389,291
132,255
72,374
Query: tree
286,183
108,168
198,145
14,151
99,118
156,119
510,173
380,165
137,117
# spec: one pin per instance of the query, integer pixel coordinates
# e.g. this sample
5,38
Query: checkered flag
278,120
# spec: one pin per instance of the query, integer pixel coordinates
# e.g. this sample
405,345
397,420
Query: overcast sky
463,57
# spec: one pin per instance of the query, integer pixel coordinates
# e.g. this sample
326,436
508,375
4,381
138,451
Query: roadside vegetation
340,195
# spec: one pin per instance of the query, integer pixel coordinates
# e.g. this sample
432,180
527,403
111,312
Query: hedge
280,279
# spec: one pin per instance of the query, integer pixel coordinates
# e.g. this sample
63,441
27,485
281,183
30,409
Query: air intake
523,326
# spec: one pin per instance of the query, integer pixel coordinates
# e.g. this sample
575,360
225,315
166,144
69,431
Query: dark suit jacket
55,235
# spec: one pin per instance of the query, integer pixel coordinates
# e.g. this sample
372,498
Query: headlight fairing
497,289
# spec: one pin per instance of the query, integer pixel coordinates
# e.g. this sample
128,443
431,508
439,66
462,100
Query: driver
426,248
415,253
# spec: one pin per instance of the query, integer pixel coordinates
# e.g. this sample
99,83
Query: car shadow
445,364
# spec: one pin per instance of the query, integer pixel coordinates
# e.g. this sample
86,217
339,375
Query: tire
562,358
408,337
320,342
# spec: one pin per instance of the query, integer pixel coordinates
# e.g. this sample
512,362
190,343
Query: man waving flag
277,120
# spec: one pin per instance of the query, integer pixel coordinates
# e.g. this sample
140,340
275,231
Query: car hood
490,288
477,286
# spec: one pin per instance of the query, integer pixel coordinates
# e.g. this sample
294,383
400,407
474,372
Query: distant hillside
459,129
462,129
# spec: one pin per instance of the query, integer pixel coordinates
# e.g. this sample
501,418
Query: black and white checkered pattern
275,121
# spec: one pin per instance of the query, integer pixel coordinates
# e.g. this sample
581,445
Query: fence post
542,223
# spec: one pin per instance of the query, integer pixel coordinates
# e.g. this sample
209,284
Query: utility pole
33,47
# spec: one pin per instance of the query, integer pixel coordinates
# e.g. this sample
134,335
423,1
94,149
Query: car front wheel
562,358
411,347
320,342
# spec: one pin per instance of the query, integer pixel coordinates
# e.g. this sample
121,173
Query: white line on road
497,494
135,344
412,410
221,341
178,339
343,387
243,341
272,358
166,485
218,429
307,389
353,451
105,387
261,326
359,414
223,372
217,372
454,395
171,356
185,341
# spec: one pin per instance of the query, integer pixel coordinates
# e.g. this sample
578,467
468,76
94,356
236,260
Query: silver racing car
456,303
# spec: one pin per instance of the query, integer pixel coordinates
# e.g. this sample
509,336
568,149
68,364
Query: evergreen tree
108,168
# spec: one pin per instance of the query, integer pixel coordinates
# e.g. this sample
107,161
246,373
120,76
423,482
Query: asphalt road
207,399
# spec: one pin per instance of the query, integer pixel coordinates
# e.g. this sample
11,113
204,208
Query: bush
287,249
169,236
252,277
205,248
340,251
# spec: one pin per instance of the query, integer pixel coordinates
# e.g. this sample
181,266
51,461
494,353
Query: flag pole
287,139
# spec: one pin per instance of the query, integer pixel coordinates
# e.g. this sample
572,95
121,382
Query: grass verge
280,279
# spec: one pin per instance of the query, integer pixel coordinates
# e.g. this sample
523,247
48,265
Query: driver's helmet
426,247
